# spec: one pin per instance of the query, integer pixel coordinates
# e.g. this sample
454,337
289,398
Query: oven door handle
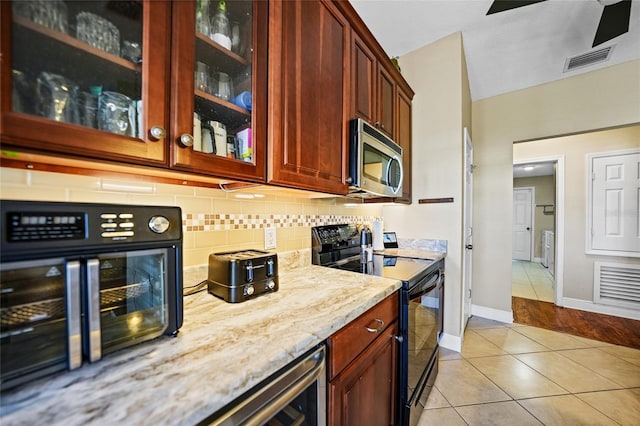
93,309
426,285
74,324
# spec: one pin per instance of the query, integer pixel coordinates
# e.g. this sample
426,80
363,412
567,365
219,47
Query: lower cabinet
363,362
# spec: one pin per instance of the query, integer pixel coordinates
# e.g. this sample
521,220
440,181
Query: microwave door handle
388,171
74,316
93,309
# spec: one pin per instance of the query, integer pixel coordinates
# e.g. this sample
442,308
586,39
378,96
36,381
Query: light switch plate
269,238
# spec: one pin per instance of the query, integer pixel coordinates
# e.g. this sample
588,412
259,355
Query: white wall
598,100
441,109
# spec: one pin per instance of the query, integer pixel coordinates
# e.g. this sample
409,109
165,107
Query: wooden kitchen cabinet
245,62
51,78
308,109
403,138
363,360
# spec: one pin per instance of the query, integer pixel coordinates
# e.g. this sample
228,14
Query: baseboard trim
450,341
585,305
492,314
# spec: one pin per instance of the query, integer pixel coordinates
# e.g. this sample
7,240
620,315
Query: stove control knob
271,284
249,290
159,224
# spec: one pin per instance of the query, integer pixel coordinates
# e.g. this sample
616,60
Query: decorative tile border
230,222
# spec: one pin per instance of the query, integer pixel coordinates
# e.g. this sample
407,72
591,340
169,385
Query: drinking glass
202,78
57,97
49,13
224,87
113,113
88,108
98,32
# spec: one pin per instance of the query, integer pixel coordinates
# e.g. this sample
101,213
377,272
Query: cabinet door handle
379,328
158,132
186,139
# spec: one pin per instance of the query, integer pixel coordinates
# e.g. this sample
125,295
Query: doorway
546,176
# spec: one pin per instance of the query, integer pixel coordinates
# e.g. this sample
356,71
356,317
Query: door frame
559,220
532,217
467,263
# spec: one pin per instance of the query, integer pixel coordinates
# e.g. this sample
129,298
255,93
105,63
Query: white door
468,216
615,205
522,223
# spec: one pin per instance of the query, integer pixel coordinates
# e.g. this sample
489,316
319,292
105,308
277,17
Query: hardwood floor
605,328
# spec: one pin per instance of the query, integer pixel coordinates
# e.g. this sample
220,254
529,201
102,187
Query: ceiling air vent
590,58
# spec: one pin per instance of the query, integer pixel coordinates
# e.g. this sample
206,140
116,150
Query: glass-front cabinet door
86,78
219,88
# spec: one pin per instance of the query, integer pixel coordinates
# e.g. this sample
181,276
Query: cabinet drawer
346,344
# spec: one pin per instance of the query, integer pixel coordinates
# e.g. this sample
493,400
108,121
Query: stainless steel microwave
375,162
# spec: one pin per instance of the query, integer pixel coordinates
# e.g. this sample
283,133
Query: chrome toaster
241,275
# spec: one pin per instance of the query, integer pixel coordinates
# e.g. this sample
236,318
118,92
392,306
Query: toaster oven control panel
41,226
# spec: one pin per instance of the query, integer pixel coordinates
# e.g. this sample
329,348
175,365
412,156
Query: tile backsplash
213,220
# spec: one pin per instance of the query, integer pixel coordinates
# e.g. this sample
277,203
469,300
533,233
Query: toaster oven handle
93,309
74,316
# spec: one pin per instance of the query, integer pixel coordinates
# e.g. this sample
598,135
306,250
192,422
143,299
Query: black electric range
420,312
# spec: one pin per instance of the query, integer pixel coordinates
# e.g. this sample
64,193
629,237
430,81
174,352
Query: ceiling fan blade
502,5
613,22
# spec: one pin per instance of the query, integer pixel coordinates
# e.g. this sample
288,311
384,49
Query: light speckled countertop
222,351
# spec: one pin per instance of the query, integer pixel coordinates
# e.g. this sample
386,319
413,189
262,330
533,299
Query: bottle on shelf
220,28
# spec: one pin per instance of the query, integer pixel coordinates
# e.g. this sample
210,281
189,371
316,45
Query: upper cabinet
86,78
219,88
402,137
250,91
380,95
308,95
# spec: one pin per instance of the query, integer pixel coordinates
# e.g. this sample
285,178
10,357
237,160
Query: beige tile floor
513,374
531,280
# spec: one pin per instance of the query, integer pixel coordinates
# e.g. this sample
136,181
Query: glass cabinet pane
223,79
79,62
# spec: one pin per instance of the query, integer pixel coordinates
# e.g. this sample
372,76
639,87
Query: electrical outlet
269,238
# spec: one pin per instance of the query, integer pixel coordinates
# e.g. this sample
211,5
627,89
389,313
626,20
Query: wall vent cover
616,284
589,58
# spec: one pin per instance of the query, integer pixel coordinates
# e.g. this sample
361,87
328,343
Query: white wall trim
492,314
585,305
452,342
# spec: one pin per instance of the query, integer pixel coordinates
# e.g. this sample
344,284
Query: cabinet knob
377,124
186,139
158,132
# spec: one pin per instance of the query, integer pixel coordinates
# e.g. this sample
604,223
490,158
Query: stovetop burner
338,247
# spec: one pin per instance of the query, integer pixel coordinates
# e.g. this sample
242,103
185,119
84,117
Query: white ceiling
506,51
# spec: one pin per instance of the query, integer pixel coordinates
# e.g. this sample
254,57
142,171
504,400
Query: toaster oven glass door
40,318
128,299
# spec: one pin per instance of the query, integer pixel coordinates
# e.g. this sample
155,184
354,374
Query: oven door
296,395
40,330
423,325
127,298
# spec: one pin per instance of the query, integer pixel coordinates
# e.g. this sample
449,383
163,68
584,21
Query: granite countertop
221,351
415,253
